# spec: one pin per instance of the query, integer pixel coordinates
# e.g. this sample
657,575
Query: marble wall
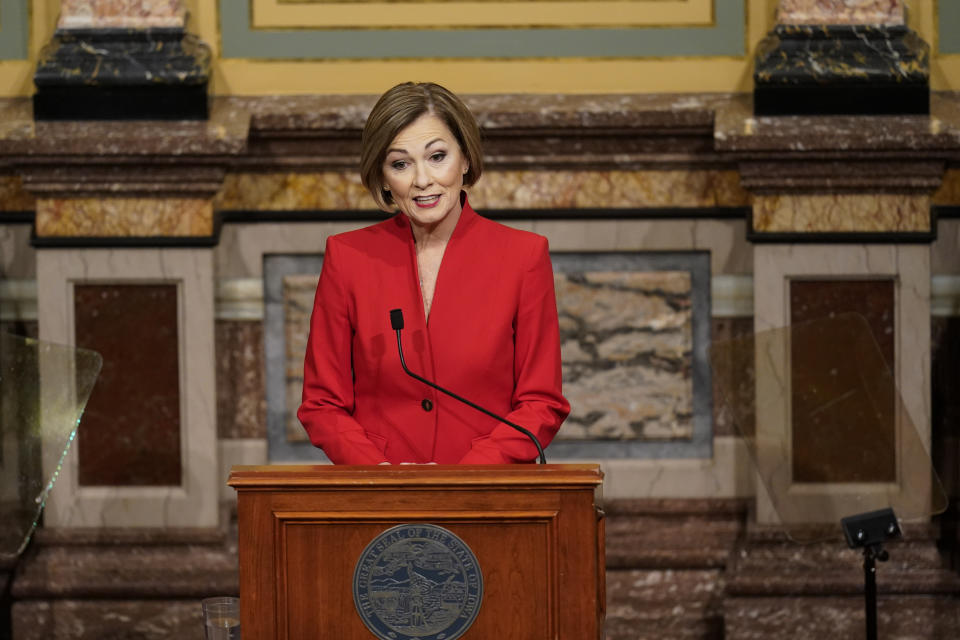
131,426
634,333
189,497
114,14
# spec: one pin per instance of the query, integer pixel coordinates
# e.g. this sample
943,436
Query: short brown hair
396,110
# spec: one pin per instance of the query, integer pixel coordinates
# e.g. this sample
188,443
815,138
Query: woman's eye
438,156
399,165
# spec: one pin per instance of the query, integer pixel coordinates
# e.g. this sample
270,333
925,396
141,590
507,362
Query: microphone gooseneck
396,322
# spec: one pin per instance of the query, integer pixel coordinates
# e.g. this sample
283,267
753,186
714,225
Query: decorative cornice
854,175
154,159
322,133
131,178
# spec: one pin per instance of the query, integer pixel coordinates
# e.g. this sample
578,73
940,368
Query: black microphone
396,322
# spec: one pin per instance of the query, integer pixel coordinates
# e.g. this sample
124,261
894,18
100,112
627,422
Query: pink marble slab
126,14
843,12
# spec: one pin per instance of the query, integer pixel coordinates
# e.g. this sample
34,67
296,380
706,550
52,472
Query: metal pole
870,591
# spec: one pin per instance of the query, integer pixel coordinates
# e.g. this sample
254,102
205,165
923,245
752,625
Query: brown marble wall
949,191
12,195
945,349
731,356
131,426
842,441
241,396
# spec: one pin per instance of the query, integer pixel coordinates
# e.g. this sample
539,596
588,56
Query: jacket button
426,404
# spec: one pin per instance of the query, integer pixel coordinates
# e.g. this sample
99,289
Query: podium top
376,476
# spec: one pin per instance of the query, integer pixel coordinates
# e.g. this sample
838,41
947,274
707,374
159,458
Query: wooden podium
536,532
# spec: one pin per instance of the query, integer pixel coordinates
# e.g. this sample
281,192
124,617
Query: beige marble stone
124,14
293,191
298,295
585,189
890,12
498,190
194,502
945,252
949,192
242,246
17,258
626,347
119,217
841,212
729,474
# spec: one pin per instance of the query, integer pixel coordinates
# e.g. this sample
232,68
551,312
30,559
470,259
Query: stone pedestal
836,57
124,233
841,223
97,583
782,589
665,566
113,61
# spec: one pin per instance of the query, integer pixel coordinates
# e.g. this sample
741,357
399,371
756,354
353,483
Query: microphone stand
526,432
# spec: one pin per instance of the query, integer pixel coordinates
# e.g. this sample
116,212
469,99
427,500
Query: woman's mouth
426,202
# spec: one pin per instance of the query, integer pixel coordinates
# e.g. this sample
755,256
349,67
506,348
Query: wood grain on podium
534,530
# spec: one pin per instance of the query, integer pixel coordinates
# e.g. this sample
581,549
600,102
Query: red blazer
492,337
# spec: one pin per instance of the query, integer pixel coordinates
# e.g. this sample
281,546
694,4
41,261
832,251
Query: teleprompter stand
869,531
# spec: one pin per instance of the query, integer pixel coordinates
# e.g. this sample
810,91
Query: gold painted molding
444,14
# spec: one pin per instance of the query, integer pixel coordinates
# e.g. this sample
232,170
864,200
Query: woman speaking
477,298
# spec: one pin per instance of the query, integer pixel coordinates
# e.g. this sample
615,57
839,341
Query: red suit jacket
492,337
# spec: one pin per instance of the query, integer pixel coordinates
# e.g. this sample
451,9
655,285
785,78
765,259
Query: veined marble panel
497,190
841,213
819,12
120,217
626,344
634,330
124,14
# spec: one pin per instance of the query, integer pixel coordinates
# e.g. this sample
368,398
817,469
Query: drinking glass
221,618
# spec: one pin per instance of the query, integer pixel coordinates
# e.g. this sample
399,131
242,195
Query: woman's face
423,170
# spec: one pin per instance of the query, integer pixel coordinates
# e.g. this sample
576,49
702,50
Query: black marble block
851,70
122,74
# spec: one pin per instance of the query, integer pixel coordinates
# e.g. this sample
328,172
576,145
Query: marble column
134,534
841,226
841,56
113,60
